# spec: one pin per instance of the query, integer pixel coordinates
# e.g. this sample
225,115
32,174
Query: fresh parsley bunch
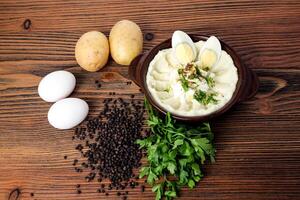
176,153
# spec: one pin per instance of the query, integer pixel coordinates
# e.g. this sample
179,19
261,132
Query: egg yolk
208,58
184,53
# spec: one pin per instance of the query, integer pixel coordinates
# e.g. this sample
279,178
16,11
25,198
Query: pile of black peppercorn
107,144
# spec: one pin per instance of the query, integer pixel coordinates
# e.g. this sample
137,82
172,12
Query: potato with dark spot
92,51
126,41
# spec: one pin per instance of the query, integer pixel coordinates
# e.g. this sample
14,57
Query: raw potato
92,51
126,41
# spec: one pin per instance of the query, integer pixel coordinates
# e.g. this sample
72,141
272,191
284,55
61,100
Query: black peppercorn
110,150
149,36
143,188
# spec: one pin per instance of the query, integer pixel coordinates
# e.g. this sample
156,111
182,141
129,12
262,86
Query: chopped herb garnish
183,80
210,81
187,78
192,76
180,71
205,98
206,68
198,72
167,89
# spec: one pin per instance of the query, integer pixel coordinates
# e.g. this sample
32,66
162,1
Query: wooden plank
258,141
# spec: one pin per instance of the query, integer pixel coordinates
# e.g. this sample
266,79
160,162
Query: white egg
56,85
67,113
210,52
183,47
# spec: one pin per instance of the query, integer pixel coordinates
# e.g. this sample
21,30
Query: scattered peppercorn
32,194
132,184
149,36
27,24
110,151
75,162
143,188
65,157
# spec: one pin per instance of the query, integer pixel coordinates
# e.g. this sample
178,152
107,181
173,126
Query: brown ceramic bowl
246,87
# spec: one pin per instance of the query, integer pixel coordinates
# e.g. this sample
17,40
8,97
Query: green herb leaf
197,178
142,143
170,193
183,162
158,194
210,81
158,169
172,155
205,98
196,168
198,72
171,167
151,178
156,187
191,183
177,143
174,150
144,171
186,149
183,80
183,176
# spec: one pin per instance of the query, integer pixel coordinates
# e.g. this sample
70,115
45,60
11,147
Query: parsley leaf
210,81
175,154
205,98
183,80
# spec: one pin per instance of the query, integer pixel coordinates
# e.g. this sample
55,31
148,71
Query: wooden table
258,141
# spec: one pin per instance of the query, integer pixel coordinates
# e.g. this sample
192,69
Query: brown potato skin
126,41
92,51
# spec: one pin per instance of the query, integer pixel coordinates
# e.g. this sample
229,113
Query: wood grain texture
258,141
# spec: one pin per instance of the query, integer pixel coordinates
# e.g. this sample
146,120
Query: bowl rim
241,83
